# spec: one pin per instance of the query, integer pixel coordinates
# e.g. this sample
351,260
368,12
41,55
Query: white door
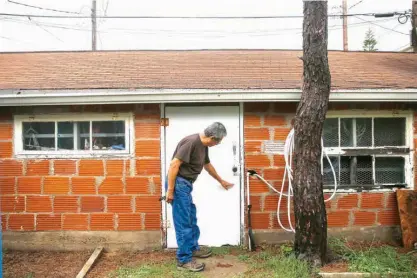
218,210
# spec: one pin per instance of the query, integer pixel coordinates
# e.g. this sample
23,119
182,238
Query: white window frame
409,141
74,117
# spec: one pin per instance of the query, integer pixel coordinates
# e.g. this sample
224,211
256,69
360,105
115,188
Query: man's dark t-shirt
193,154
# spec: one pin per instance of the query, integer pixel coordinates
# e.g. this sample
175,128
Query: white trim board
119,96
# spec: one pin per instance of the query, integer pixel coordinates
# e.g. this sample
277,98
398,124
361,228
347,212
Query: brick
7,185
256,134
372,200
279,161
148,167
391,201
255,201
37,168
3,222
338,219
347,201
147,148
285,107
65,204
65,167
253,146
111,185
137,185
329,203
12,204
47,222
284,220
274,174
152,221
257,186
6,149
151,107
364,218
389,217
119,204
102,222
129,222
29,185
147,116
6,131
252,120
91,168
271,203
83,185
92,204
260,220
56,185
281,133
21,222
256,107
38,204
275,121
75,222
115,167
257,161
148,204
147,130
11,167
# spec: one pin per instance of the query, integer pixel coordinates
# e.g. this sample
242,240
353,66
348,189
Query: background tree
309,208
370,42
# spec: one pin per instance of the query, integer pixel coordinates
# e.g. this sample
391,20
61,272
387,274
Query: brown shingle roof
211,69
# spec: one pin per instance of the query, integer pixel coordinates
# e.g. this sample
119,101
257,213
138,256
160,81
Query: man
189,159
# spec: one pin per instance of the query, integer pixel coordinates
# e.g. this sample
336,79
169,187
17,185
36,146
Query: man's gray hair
216,130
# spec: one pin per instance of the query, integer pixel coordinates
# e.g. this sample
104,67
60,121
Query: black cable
37,7
180,17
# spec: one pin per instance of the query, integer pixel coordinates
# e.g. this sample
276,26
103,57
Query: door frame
242,171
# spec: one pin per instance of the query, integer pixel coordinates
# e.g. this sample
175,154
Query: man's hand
226,185
170,197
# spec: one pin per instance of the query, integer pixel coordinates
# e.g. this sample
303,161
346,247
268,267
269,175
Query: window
76,134
368,151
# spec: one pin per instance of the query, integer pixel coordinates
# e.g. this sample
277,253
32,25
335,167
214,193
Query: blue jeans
184,214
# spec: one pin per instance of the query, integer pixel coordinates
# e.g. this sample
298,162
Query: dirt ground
58,264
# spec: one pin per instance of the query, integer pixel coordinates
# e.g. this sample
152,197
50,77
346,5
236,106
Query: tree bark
309,208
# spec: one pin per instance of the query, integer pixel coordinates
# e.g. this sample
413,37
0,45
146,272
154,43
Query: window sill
72,155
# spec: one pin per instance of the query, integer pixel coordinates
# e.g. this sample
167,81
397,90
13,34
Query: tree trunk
309,208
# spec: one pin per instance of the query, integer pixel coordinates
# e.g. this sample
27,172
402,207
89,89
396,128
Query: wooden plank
90,262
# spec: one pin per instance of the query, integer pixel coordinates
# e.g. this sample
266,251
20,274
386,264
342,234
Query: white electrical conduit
288,153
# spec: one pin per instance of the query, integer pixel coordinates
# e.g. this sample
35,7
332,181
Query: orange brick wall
272,121
84,194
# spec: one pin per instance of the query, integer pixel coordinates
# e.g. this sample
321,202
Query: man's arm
210,169
174,167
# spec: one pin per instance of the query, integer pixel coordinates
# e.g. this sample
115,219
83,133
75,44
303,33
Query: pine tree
370,42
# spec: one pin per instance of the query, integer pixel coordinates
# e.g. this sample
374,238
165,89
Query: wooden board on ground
90,262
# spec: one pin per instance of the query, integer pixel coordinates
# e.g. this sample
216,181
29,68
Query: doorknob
234,169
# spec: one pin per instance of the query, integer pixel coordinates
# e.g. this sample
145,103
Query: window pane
109,135
331,133
39,136
346,132
389,131
389,170
328,178
364,170
83,135
363,132
65,135
345,162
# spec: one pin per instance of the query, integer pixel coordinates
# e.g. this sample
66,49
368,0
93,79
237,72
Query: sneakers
193,266
202,253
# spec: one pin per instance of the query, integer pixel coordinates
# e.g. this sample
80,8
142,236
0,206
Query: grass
167,269
374,259
276,262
